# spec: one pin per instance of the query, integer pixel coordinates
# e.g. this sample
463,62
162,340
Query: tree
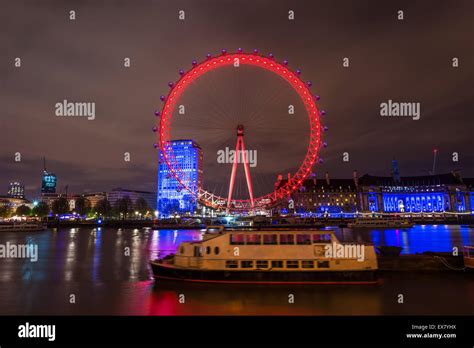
82,206
23,210
5,211
124,206
103,207
42,209
142,205
60,206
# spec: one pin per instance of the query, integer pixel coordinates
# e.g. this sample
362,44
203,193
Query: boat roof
289,230
211,235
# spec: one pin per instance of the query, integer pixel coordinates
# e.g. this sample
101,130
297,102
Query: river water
85,271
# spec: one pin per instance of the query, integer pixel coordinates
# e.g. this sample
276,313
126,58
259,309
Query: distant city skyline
83,61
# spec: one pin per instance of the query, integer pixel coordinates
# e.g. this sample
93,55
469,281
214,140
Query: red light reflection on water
163,303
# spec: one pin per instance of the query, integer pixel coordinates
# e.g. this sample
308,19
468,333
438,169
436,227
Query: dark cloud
82,61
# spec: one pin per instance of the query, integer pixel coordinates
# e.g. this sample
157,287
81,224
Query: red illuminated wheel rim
163,128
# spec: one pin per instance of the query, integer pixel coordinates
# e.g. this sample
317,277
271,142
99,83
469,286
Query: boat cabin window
277,264
197,251
253,239
181,249
231,264
287,239
262,264
292,264
208,250
307,264
321,238
237,239
216,250
303,239
270,239
323,264
246,264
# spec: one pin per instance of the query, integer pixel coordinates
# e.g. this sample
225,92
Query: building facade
417,194
322,197
443,193
172,198
49,198
16,190
48,183
119,193
14,202
95,197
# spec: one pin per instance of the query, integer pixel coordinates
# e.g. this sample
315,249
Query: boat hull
169,272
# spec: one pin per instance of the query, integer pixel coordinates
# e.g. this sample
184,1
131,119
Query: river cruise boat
386,221
468,257
22,227
301,257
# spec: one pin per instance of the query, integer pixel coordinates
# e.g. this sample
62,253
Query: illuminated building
323,197
95,197
14,202
119,193
470,187
48,184
16,190
49,198
171,198
379,194
416,194
71,199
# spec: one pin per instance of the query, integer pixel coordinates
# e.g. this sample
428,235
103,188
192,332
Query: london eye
233,101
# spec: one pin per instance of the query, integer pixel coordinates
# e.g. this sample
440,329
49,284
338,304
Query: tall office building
48,184
16,190
171,197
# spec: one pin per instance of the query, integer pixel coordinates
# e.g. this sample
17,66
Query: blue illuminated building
443,193
417,194
172,198
48,184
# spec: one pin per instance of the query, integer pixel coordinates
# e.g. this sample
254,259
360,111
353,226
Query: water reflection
108,271
418,239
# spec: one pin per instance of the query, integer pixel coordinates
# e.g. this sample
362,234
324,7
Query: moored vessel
22,227
468,256
385,221
301,257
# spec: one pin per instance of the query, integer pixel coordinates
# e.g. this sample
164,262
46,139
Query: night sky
82,61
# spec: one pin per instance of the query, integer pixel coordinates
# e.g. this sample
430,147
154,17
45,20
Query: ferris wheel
227,202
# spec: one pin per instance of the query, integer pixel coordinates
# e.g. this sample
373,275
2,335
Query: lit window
262,264
270,239
277,264
323,264
246,264
237,239
292,264
253,239
231,264
287,239
321,238
303,239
